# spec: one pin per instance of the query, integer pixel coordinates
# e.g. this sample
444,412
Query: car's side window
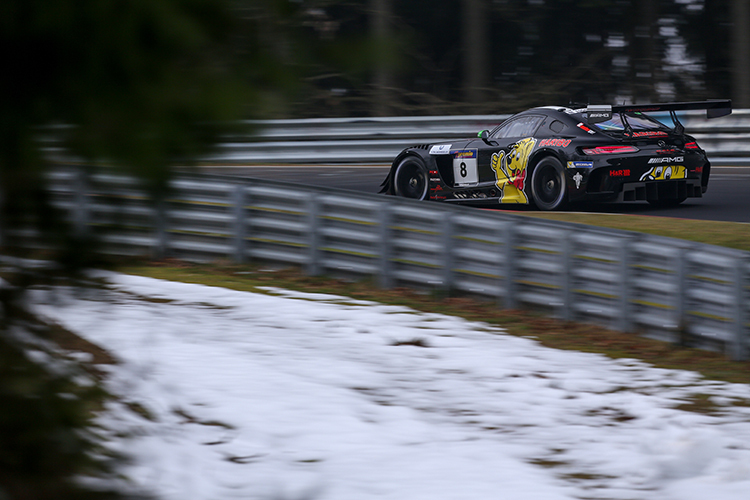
523,126
557,126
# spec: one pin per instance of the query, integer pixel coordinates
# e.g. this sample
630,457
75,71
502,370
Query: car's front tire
549,190
411,179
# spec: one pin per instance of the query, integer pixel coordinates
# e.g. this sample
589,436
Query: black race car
550,156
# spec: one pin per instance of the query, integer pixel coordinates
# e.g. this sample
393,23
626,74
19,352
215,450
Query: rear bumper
678,189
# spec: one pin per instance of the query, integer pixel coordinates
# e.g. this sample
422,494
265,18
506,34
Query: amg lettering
667,159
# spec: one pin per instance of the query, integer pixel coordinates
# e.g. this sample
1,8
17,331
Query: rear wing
714,109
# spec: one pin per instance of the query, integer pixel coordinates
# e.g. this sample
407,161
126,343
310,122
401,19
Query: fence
663,288
379,140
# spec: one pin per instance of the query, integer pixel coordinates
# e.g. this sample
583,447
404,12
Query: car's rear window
637,121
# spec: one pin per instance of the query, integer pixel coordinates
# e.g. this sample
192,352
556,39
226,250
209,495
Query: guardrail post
624,323
81,211
448,229
564,308
313,255
741,342
385,278
680,300
507,262
160,228
238,229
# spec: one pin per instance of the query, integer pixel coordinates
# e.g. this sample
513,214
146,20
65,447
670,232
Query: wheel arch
539,155
534,161
388,185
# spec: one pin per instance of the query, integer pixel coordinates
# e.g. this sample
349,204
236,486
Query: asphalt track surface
727,198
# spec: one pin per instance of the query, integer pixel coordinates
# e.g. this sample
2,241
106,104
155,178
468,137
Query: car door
503,157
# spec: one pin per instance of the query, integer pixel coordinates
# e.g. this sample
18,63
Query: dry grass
726,234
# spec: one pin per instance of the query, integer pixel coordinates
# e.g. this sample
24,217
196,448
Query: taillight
610,150
691,145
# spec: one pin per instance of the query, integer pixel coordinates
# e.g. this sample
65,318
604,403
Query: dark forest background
388,57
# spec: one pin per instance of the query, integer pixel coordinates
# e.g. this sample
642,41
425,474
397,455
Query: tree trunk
475,50
382,98
740,53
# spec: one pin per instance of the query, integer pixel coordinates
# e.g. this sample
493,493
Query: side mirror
485,136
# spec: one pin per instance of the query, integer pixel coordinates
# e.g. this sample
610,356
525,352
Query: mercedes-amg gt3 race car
550,156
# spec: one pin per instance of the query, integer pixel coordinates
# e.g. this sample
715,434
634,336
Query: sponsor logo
434,179
440,149
580,164
666,151
464,153
650,133
560,143
599,115
620,173
667,159
699,170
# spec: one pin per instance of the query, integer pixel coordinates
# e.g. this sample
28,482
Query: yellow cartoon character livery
552,156
510,171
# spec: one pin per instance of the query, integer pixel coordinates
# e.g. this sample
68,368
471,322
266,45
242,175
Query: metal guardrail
379,140
669,289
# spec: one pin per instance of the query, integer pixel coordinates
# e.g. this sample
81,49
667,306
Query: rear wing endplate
714,109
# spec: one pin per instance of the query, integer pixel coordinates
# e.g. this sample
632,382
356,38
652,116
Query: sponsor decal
510,171
641,110
666,151
465,153
585,128
580,164
578,178
440,149
699,170
650,133
620,173
434,179
662,173
560,143
667,159
465,170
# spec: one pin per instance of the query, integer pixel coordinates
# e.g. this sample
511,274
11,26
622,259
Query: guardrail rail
669,289
379,140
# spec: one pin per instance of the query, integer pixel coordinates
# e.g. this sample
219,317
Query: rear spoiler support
714,109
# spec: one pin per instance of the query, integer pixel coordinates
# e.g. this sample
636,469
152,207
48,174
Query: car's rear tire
549,190
411,179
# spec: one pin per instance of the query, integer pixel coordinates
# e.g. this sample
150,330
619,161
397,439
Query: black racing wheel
548,186
411,178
